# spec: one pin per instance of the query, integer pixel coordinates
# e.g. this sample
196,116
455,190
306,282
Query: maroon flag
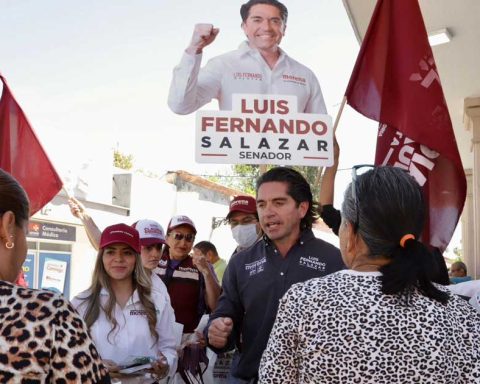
22,155
395,82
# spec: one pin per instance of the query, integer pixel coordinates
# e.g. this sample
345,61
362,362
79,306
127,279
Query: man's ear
303,208
7,226
243,27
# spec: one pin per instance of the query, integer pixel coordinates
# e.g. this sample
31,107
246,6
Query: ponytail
412,266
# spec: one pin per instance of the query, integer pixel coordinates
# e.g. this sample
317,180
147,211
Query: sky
93,75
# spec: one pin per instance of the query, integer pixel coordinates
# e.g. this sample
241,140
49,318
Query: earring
9,244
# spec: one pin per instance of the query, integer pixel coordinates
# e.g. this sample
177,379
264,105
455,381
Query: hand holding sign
203,35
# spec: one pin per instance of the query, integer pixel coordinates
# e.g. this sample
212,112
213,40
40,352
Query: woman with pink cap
152,241
126,317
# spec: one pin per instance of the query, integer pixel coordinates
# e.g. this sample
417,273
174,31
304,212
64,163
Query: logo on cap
238,202
120,233
153,231
177,221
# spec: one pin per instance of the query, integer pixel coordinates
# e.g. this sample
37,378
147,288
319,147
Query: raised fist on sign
203,35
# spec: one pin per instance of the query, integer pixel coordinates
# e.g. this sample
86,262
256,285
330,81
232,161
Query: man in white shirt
259,66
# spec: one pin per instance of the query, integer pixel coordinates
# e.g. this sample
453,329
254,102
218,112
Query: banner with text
264,129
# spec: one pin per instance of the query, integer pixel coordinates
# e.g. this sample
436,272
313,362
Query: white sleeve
165,329
467,288
192,87
315,103
79,305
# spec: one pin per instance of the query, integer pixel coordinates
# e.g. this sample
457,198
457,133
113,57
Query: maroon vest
184,284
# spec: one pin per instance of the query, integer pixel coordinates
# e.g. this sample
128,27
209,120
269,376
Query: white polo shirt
243,71
132,336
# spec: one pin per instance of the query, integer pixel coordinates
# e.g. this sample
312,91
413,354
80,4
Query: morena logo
294,79
153,231
239,202
117,231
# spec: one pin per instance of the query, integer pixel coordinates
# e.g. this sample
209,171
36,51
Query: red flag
395,82
22,155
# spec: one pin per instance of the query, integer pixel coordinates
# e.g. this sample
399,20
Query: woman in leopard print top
381,321
42,338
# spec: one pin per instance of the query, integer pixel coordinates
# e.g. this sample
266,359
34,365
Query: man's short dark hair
205,246
460,265
297,187
245,8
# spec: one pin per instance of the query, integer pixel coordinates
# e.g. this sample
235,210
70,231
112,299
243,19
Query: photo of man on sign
259,72
258,66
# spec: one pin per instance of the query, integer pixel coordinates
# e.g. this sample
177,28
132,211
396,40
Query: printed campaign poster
54,273
264,129
28,269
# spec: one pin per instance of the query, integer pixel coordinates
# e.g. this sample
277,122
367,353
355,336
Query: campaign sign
264,129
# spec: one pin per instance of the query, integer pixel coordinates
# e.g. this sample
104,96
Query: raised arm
212,288
191,88
203,35
328,213
327,187
79,211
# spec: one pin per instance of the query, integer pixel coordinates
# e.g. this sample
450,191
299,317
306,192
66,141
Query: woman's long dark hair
390,205
13,198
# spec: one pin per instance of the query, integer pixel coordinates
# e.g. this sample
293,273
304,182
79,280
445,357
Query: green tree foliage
244,176
121,160
458,252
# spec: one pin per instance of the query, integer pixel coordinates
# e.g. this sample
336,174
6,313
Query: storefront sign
51,231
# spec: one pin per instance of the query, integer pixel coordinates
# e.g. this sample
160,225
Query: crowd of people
292,307
288,306
354,313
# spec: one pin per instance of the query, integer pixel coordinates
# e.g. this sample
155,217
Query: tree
245,175
121,160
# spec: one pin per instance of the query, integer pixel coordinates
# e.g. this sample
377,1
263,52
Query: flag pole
66,191
339,113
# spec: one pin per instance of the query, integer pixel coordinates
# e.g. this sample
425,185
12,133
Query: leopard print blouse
343,329
43,340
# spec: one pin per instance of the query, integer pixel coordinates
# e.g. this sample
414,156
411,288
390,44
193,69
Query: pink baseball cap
177,221
246,204
150,232
120,233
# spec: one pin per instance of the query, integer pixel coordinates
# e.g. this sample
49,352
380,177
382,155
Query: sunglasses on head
180,236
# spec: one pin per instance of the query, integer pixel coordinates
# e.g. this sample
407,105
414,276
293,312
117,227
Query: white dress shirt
132,337
243,71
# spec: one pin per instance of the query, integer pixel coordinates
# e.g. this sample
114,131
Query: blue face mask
245,235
